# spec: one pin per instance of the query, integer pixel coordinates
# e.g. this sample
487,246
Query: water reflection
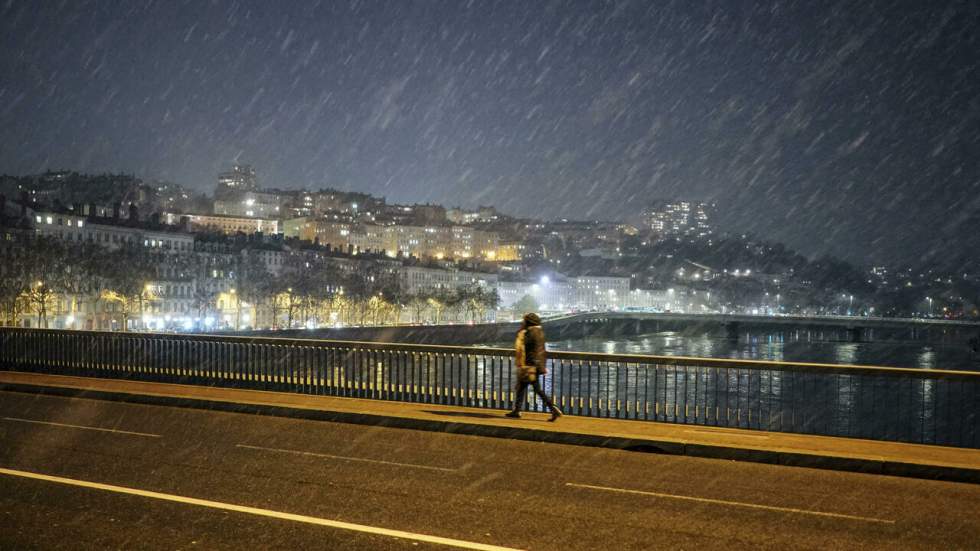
702,346
927,358
846,353
799,346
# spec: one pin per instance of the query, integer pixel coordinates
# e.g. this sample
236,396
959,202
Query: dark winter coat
530,348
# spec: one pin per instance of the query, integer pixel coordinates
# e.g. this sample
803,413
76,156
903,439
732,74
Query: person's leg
521,389
555,412
541,393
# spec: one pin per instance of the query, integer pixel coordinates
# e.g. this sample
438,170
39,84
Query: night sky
851,128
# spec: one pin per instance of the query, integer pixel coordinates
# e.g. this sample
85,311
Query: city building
225,224
564,294
679,219
348,201
273,258
664,300
413,279
481,214
111,233
296,203
408,215
240,178
509,251
440,242
251,204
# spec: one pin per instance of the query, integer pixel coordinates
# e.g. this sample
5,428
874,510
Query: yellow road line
731,503
461,544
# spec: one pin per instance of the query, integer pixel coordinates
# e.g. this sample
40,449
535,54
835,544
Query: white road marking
260,512
345,458
732,503
35,421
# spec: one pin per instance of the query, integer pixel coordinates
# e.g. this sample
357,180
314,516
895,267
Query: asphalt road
302,479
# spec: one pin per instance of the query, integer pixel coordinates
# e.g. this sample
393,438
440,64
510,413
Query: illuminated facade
568,294
679,218
441,242
227,224
417,278
252,204
104,233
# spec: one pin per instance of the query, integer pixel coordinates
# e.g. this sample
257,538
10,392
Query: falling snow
840,128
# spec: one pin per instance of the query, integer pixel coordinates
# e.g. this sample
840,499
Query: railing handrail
639,359
817,319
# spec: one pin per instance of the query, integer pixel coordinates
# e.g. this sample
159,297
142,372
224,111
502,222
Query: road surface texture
87,474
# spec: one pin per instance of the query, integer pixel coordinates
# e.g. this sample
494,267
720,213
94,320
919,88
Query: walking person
531,363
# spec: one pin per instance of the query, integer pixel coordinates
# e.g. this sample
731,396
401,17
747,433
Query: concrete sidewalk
869,456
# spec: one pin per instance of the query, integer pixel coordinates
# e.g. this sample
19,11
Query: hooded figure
532,364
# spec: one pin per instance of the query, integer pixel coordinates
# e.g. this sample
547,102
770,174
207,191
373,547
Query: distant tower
239,178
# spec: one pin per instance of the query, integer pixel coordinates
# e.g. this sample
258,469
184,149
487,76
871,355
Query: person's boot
555,413
514,414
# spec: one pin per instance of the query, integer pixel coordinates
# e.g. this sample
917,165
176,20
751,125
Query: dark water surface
789,347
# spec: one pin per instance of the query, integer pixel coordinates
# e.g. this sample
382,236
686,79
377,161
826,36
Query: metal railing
896,404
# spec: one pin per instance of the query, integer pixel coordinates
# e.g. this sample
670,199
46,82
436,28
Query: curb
667,447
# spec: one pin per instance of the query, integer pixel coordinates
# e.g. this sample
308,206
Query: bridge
276,442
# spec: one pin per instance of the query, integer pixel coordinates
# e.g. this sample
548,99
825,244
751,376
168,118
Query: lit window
48,220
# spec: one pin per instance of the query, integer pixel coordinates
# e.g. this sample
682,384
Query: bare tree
418,303
80,274
251,276
14,282
47,259
131,270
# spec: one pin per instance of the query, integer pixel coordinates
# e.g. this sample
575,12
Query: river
790,347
